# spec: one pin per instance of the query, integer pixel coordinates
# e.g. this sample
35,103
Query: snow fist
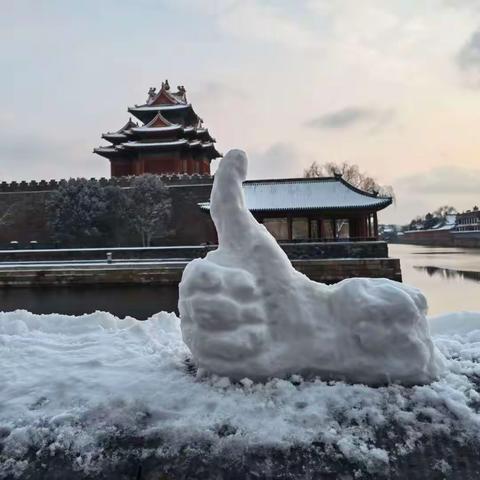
246,312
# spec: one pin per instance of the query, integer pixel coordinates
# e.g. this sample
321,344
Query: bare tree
6,216
351,174
150,207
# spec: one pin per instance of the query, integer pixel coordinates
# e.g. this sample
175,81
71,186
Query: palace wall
441,238
28,220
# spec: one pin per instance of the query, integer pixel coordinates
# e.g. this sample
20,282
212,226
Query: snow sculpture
246,312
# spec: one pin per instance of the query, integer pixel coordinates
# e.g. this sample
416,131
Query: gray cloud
446,180
277,161
469,55
468,60
352,116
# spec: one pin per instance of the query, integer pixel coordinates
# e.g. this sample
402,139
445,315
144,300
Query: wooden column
289,223
364,227
375,226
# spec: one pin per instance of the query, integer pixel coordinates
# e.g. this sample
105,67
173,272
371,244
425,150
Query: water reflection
448,277
450,273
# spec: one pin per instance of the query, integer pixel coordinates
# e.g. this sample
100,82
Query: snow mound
455,323
94,389
246,312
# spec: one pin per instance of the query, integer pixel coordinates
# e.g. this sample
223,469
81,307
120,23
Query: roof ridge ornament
182,91
152,92
165,85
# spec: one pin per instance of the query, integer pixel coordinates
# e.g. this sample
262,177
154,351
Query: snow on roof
143,108
304,194
114,135
105,149
154,144
157,129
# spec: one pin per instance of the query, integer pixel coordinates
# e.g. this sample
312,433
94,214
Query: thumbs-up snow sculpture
246,312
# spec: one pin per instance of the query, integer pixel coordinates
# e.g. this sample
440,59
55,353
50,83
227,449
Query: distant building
171,140
457,230
468,221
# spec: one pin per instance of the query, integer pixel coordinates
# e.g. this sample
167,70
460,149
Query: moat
449,277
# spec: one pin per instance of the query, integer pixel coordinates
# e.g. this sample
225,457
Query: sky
390,85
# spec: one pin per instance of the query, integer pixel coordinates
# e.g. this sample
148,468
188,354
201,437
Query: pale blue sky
392,85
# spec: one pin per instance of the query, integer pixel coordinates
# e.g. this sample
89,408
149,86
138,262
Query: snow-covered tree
82,212
150,207
351,174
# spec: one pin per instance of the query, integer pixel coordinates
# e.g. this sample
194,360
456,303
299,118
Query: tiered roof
169,123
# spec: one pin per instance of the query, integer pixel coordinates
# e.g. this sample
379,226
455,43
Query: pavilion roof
327,193
120,133
169,122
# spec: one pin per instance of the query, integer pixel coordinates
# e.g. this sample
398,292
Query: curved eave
214,153
375,207
114,137
204,134
109,152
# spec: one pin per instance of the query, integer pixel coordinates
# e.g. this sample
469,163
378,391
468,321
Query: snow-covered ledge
246,312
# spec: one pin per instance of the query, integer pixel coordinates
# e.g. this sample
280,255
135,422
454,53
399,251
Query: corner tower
170,139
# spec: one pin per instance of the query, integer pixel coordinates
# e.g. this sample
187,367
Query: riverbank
441,238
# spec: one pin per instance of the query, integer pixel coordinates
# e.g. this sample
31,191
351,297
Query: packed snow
246,312
71,384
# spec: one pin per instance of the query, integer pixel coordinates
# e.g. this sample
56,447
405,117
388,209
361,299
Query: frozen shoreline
76,391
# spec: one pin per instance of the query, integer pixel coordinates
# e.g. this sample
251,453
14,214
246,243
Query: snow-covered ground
71,385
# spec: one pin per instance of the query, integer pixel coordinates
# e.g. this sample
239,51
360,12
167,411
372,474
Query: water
449,277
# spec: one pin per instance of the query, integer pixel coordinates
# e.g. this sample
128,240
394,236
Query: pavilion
172,139
313,209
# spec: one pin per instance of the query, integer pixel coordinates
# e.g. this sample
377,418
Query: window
343,228
300,228
278,227
327,230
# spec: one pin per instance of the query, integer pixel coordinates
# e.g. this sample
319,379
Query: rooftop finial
152,91
166,85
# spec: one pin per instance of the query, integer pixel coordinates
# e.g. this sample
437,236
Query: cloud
468,59
352,116
258,21
469,55
446,180
277,161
